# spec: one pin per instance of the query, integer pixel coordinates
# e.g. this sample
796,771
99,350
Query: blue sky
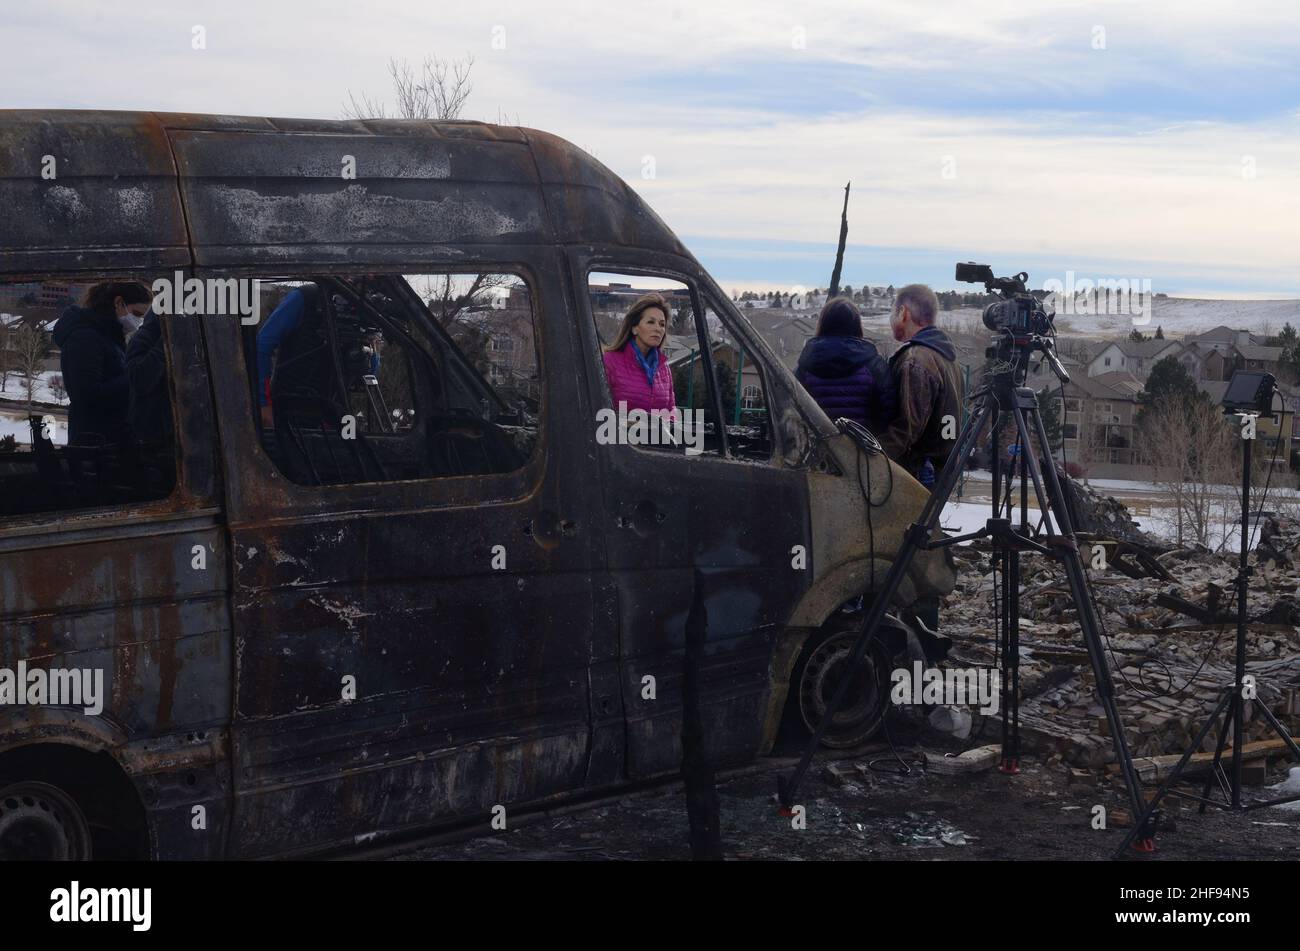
1143,140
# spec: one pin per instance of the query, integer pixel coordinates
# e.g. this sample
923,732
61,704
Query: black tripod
1233,700
1004,391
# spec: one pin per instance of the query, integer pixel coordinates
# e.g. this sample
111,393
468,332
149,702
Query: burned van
333,535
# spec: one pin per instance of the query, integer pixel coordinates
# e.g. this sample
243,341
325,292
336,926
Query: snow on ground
959,518
15,388
16,425
1126,488
1160,520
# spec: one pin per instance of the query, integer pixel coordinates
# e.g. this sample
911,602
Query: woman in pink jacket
635,366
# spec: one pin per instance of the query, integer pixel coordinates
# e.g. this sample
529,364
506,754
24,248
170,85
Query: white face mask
130,322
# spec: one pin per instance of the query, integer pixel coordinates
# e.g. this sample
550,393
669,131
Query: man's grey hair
920,301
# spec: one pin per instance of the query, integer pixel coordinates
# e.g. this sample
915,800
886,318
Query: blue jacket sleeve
279,325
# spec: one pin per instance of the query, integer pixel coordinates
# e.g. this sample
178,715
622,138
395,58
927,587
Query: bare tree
1191,447
437,91
453,299
30,348
6,357
57,389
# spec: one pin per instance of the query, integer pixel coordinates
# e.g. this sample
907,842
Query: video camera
1019,311
1021,322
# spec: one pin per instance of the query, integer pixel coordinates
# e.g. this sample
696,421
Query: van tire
40,822
816,678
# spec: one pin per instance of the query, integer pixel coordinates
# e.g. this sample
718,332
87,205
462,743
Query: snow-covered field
1180,316
1176,316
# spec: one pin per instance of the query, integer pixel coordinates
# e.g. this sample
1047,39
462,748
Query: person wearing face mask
91,339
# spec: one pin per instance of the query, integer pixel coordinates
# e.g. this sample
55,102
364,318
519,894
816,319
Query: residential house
1136,357
1098,416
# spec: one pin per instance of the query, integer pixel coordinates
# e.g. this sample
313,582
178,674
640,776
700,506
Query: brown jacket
929,388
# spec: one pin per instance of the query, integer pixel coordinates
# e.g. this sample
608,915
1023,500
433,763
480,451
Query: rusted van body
225,731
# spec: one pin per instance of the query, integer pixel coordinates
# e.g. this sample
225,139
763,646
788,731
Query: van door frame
736,677
523,728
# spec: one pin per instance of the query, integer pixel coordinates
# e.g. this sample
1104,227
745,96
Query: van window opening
737,379
86,418
382,378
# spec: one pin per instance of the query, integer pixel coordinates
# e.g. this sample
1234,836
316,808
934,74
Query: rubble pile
1169,620
1098,514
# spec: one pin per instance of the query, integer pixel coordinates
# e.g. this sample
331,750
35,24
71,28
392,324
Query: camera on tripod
1019,311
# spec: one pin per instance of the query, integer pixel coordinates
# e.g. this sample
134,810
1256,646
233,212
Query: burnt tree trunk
839,253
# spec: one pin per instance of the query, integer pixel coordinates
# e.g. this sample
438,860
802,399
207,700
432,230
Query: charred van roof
94,190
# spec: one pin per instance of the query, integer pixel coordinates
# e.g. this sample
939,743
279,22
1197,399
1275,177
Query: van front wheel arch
822,665
40,822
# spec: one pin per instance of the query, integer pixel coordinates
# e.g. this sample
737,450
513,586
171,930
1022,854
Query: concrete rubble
1170,634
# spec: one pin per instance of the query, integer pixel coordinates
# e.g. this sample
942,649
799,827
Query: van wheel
40,822
818,677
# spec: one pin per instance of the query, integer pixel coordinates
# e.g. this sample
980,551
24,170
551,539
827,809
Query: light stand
1248,396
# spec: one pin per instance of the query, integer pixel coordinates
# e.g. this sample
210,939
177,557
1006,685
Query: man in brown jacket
929,387
929,399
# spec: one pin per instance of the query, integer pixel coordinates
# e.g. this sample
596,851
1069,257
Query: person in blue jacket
284,322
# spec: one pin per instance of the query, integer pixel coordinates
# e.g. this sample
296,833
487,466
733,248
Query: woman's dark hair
100,297
839,318
633,317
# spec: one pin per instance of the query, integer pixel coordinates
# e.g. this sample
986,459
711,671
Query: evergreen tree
1049,410
1169,379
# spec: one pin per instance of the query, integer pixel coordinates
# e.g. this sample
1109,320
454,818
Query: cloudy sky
1140,140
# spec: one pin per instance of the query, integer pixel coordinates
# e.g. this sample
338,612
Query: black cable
904,769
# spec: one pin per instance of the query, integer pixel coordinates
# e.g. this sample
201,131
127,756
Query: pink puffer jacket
627,382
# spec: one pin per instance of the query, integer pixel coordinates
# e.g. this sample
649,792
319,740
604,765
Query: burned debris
1167,616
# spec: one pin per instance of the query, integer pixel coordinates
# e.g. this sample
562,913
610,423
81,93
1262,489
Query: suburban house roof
1253,352
1121,382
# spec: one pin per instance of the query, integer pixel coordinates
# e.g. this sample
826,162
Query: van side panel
138,594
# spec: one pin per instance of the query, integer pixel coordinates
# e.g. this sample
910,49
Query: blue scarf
648,363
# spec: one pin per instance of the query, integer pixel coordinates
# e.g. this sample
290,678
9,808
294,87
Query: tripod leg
1004,647
915,538
1174,774
1011,661
1088,623
1278,728
1216,767
1015,620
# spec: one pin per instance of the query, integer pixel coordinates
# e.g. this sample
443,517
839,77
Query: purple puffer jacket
848,377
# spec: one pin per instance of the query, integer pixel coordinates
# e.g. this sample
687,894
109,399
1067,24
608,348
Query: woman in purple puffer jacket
844,372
